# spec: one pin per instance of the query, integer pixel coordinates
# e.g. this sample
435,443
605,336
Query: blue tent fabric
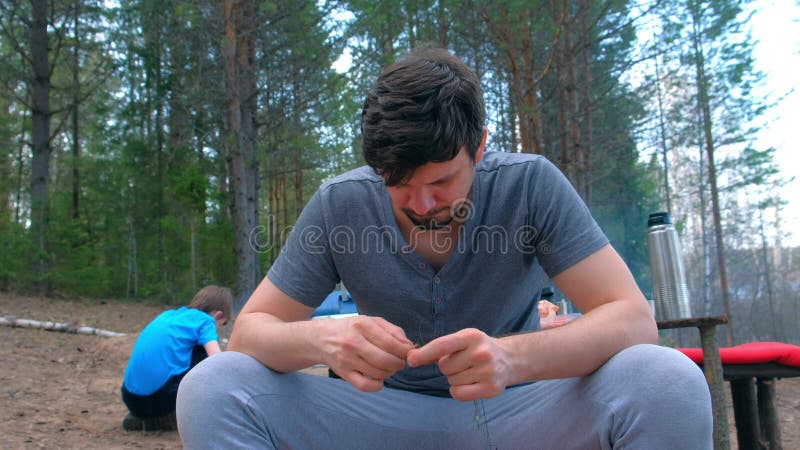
334,304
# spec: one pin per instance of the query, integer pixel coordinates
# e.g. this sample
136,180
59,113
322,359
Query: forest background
150,147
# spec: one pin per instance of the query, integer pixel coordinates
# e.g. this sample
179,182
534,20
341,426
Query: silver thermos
666,263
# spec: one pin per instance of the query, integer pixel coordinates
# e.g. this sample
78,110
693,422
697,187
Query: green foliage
625,189
751,167
15,258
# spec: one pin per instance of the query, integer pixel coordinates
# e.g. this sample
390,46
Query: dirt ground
61,390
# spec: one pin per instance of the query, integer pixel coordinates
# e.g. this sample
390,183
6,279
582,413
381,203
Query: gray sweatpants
645,397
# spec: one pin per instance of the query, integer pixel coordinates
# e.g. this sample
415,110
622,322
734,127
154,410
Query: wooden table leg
768,414
712,366
748,433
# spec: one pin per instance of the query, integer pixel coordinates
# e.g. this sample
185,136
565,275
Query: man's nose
421,201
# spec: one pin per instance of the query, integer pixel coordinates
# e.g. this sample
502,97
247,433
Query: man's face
429,196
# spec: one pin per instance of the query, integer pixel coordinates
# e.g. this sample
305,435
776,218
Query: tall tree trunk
777,323
154,51
587,135
193,251
530,106
274,222
161,168
76,99
298,185
18,189
298,154
179,121
40,116
565,161
707,274
511,117
238,55
5,166
179,149
285,196
663,135
247,67
705,109
133,263
412,28
517,57
442,25
571,87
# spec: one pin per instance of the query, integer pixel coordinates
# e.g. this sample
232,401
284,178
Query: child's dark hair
214,298
423,108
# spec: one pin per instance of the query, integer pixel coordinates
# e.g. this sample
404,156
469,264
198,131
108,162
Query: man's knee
660,379
213,408
216,384
212,377
657,395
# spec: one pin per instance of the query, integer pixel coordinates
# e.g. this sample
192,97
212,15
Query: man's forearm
281,346
580,347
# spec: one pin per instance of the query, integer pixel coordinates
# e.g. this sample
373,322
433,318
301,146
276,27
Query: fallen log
64,327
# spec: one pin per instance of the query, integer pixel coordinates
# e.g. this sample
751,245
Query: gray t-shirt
524,220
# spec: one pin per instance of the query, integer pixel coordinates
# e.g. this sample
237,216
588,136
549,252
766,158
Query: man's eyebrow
444,178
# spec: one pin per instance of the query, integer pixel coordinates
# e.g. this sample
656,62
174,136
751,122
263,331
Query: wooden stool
712,370
752,370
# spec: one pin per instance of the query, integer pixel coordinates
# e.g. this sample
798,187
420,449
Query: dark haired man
443,248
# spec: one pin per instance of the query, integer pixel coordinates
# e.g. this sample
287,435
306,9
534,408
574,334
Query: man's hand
365,350
476,365
547,309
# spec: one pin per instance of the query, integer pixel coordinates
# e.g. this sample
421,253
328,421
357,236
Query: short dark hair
214,298
423,108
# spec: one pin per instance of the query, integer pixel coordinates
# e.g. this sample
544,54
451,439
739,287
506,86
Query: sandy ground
61,390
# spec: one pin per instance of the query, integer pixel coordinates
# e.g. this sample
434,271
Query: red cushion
752,353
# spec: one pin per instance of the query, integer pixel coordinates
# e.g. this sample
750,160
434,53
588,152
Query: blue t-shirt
164,348
524,223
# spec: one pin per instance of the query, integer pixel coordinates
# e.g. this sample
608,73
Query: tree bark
587,135
274,222
20,160
705,109
576,170
663,137
40,116
5,167
565,160
441,14
193,251
76,101
240,94
517,55
777,322
707,270
133,262
298,155
161,169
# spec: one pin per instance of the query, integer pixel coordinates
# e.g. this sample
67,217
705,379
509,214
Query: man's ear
217,315
482,147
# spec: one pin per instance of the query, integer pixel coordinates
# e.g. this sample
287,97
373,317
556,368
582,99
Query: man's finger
453,363
364,383
376,333
469,392
382,359
463,378
434,350
393,330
